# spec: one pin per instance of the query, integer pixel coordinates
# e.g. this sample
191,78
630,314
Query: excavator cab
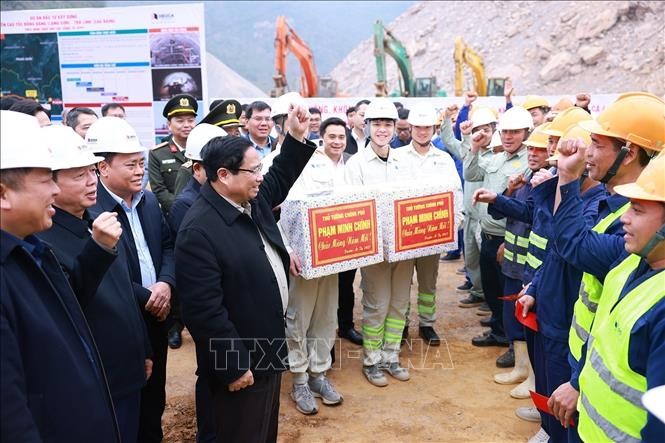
327,86
496,86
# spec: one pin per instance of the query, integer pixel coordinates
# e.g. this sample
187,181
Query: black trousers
346,300
492,278
153,394
250,414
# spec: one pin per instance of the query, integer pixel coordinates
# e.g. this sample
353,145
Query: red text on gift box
424,221
343,232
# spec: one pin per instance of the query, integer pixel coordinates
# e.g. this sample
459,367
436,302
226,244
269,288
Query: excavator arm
386,43
286,39
464,55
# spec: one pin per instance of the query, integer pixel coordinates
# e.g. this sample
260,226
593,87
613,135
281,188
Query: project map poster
138,56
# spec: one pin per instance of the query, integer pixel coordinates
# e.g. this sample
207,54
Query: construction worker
561,123
385,285
483,125
224,115
165,159
424,161
623,138
518,265
311,312
624,354
279,113
554,285
514,126
537,107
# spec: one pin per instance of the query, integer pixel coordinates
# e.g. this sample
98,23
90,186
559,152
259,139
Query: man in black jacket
112,313
146,241
232,270
53,386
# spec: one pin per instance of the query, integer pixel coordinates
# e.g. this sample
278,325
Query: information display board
137,56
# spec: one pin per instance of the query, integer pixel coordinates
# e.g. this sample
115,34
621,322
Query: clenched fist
106,229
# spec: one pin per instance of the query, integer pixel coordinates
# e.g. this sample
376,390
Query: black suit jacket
52,386
157,236
113,313
229,294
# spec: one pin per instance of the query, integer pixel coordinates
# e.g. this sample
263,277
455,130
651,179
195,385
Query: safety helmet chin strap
658,237
585,175
617,163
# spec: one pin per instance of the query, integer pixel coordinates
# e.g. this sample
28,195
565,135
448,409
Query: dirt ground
451,395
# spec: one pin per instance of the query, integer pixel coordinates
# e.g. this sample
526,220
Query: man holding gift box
385,286
423,160
310,316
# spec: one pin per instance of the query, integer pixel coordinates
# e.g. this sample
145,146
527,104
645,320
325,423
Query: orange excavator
311,85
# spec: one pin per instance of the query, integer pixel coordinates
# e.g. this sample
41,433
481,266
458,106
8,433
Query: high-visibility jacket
610,407
590,292
516,241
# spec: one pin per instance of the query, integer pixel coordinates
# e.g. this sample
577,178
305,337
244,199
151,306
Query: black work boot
429,335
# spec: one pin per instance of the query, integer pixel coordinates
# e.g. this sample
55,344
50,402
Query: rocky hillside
546,47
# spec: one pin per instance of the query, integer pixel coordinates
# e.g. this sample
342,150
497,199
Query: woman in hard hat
386,286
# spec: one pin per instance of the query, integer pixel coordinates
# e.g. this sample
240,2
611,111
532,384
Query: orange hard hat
650,185
565,119
572,133
636,117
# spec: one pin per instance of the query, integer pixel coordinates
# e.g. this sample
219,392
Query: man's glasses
254,171
261,119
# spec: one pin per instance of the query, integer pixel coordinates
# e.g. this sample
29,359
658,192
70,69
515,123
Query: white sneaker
540,437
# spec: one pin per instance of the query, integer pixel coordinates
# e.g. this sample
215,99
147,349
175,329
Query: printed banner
343,232
424,221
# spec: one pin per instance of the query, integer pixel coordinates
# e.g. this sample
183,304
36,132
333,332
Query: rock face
547,47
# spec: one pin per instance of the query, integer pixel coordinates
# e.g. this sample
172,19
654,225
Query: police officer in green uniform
165,158
226,115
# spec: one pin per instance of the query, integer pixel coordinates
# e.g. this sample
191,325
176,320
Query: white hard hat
495,142
69,148
22,142
113,134
381,108
197,139
482,116
422,114
281,104
516,118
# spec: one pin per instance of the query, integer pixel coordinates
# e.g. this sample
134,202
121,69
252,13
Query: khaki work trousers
311,320
386,287
472,254
427,271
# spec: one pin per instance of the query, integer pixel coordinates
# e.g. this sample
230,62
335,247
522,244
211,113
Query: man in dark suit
53,386
147,243
112,312
232,269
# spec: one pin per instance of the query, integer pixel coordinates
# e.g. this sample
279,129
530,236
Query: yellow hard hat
572,133
534,101
650,185
538,139
566,119
636,117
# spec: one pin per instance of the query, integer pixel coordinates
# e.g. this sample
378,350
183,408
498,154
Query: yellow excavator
465,55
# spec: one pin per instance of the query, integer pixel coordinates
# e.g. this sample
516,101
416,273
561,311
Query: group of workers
564,217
